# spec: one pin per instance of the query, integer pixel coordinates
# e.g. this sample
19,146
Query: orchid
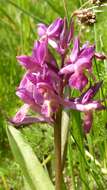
87,97
78,61
58,34
39,91
48,84
42,86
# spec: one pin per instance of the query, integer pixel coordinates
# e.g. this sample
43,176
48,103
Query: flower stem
57,142
65,9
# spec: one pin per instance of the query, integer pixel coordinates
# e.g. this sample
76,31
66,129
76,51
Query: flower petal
100,56
28,62
90,93
20,115
40,51
42,28
67,69
87,121
55,28
78,81
25,96
75,50
88,52
92,105
71,31
28,120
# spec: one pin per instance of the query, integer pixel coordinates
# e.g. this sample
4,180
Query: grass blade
37,19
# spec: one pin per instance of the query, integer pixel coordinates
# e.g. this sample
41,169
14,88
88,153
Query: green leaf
32,170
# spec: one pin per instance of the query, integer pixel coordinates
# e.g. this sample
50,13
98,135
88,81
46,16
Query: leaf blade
31,167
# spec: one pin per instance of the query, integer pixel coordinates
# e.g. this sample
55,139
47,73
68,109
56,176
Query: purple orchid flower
41,88
79,61
86,104
51,31
58,34
65,38
37,59
39,91
21,117
41,55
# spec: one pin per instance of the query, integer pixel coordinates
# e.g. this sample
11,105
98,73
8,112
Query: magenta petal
87,121
28,98
100,56
26,84
75,50
32,78
49,107
20,115
38,96
88,52
46,109
78,81
90,93
82,64
92,105
71,31
47,88
84,46
67,69
25,96
55,28
42,28
27,61
64,35
40,51
28,120
35,48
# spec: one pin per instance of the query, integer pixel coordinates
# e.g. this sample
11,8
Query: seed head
85,16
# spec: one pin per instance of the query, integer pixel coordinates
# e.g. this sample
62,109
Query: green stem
65,9
81,2
57,142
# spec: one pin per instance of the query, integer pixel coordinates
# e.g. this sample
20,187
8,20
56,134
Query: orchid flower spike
43,84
